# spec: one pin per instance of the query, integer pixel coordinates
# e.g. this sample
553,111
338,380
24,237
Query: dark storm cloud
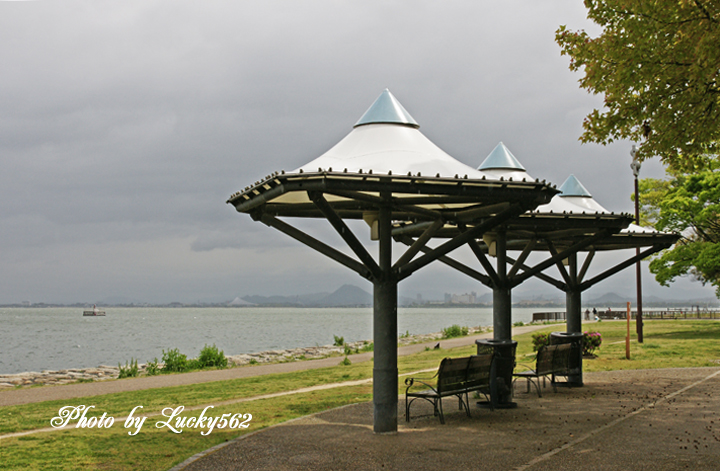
125,126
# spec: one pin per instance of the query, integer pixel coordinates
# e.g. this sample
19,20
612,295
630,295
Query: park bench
552,361
455,377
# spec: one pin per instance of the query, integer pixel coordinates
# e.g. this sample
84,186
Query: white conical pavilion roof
634,228
502,163
575,198
387,140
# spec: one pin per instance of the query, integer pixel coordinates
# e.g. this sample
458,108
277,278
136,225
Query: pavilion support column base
503,347
385,400
574,335
385,371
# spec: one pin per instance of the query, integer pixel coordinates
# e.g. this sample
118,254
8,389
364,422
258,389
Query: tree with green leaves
688,203
657,63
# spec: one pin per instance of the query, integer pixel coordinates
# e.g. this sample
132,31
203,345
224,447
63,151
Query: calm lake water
36,339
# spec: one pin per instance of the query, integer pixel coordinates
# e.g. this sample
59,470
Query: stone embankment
104,372
73,375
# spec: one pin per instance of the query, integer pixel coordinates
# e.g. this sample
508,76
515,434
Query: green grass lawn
673,343
667,344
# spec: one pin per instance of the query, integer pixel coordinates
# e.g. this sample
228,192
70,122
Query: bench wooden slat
454,372
478,374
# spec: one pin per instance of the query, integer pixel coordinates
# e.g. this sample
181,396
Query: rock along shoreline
105,372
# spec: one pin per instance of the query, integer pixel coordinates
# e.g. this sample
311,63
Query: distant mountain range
353,296
345,296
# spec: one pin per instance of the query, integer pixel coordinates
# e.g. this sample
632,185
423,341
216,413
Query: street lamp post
635,166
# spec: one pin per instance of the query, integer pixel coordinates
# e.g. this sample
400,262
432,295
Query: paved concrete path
622,420
47,393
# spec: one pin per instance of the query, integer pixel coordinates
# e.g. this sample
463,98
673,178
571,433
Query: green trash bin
501,372
575,377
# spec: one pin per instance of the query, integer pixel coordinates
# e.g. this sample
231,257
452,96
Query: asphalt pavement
667,419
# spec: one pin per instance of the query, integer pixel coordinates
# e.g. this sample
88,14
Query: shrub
339,341
346,362
347,350
152,368
211,357
174,361
454,331
518,324
128,371
591,341
540,339
367,347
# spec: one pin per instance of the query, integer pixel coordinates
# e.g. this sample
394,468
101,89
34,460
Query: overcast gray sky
126,125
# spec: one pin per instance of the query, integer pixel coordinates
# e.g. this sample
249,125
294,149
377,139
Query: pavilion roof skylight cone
387,110
573,187
502,163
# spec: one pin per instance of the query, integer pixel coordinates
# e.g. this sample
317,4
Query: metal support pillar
385,371
502,326
502,293
635,166
638,279
638,289
573,334
501,344
573,298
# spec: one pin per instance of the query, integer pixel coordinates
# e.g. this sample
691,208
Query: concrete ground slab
622,420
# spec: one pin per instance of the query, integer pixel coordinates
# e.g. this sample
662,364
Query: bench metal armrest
410,382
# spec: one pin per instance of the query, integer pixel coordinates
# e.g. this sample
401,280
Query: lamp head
635,165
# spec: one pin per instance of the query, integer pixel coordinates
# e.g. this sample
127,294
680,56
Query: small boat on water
95,312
